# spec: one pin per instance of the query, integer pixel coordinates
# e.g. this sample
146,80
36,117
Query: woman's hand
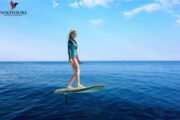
78,60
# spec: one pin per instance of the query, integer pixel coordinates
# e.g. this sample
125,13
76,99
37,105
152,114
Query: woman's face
73,35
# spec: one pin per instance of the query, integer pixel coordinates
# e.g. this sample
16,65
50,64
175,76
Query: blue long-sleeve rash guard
72,48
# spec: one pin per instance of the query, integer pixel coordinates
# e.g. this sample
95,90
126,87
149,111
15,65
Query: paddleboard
81,90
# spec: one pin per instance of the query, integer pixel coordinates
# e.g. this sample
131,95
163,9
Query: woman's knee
77,72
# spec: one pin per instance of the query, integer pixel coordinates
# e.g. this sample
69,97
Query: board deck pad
76,90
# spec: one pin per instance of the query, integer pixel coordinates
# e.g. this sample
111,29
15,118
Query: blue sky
107,30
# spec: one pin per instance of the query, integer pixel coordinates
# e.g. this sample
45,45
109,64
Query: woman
74,60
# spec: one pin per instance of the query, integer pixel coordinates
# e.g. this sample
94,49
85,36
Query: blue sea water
134,91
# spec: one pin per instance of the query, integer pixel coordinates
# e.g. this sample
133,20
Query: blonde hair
71,32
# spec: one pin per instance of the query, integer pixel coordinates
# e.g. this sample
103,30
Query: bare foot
70,87
80,86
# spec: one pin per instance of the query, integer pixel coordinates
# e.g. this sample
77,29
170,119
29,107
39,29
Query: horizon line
92,61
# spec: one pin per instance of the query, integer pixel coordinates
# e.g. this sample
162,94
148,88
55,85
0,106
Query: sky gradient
107,30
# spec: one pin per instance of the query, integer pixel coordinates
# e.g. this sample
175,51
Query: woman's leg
77,73
73,76
71,81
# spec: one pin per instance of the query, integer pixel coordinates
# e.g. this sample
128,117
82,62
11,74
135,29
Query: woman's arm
78,59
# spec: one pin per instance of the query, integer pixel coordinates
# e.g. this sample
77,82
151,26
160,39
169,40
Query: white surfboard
76,90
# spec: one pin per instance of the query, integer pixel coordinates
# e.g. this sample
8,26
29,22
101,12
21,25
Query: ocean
134,90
